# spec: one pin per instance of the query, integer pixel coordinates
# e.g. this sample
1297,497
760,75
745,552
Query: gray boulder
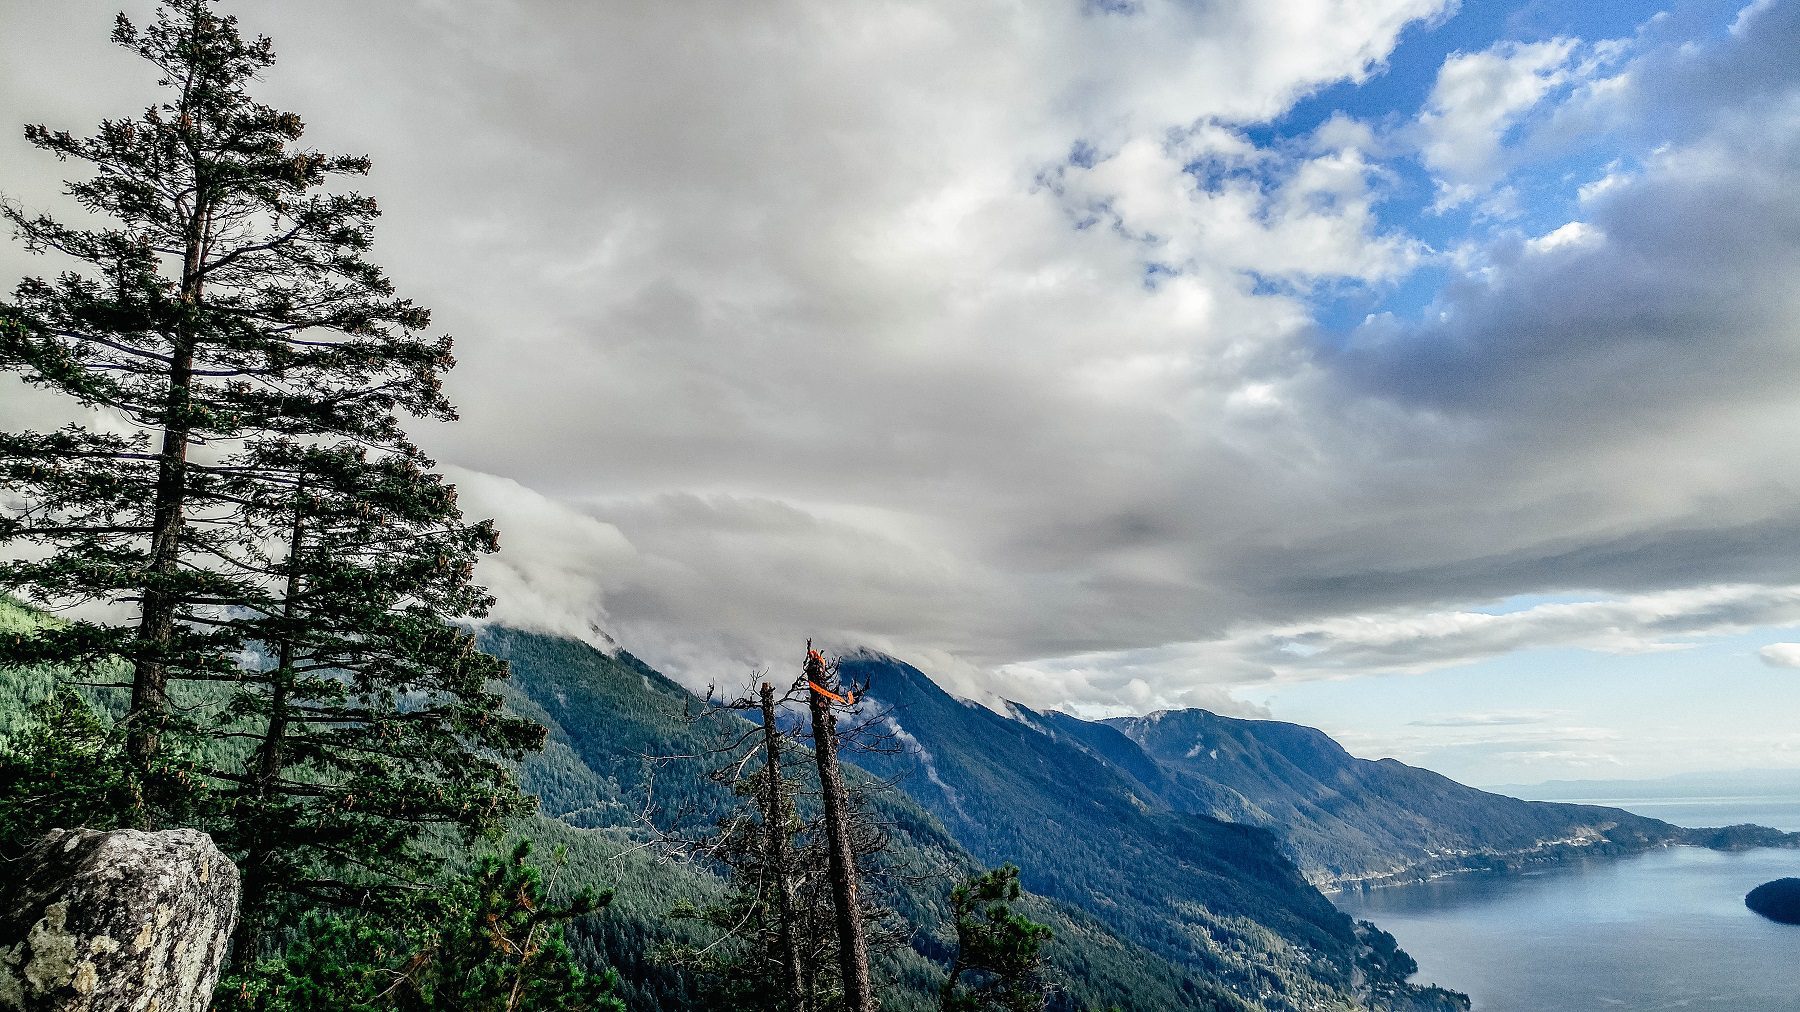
115,922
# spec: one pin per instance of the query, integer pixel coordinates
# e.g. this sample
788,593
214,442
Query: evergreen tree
297,571
67,768
370,714
223,296
503,949
999,952
493,943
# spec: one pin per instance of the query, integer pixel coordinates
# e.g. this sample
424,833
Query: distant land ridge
1346,822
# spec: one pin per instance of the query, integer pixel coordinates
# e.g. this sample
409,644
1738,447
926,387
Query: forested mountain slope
1212,895
1196,914
607,713
1344,821
1348,820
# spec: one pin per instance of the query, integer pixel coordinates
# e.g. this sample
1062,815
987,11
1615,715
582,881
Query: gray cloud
1411,641
543,576
776,323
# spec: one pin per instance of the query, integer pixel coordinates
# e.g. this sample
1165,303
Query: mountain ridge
1346,822
607,713
1228,924
1184,884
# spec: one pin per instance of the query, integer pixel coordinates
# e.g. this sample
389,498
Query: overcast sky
1423,372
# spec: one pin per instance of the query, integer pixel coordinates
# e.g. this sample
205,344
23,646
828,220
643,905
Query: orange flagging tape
846,699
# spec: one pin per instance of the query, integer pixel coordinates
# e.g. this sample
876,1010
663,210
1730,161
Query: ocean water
1664,930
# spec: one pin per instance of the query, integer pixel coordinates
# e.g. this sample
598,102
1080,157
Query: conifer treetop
225,238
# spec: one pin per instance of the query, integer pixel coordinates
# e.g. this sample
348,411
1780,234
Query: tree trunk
156,620
947,993
775,823
853,949
270,761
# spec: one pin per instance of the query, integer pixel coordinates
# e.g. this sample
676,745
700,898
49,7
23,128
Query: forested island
1778,900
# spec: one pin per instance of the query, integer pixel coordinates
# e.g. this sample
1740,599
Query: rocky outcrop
115,922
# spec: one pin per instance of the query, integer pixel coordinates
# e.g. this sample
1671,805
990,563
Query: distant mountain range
1343,821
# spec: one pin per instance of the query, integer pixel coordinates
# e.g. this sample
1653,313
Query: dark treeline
271,593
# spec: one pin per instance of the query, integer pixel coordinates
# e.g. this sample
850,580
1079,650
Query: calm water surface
1666,930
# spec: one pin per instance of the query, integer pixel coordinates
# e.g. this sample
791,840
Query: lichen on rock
125,921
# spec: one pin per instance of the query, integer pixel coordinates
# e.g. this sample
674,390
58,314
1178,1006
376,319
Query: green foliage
371,714
64,768
636,926
220,303
606,712
503,948
23,687
1385,952
301,682
999,952
493,942
334,961
62,752
222,296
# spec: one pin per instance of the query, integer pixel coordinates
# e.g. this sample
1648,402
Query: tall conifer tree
294,563
223,295
300,578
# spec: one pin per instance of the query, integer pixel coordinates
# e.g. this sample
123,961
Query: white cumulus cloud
1781,655
1476,99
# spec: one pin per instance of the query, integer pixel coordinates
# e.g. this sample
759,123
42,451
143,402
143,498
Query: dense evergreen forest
245,602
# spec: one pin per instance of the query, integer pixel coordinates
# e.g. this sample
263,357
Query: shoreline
1561,854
